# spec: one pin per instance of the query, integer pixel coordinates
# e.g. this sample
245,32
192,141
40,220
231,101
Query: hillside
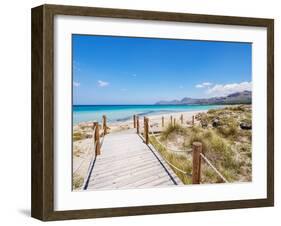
244,97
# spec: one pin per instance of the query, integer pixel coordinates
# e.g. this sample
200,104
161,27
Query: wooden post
162,121
171,120
97,139
146,128
174,121
94,125
144,125
134,121
138,125
196,162
193,120
181,118
104,125
94,131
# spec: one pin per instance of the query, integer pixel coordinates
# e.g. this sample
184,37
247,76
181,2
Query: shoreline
154,119
116,114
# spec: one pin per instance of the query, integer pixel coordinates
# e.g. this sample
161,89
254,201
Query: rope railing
196,150
169,163
214,168
137,123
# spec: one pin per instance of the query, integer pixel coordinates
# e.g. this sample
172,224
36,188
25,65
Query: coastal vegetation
225,144
77,181
82,154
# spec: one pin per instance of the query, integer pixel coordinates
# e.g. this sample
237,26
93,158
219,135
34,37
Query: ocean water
84,113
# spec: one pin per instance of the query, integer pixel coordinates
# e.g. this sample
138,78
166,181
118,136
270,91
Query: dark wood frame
42,202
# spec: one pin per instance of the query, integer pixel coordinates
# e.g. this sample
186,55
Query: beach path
127,162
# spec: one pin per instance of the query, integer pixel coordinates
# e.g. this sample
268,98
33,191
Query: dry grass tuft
77,181
170,129
78,136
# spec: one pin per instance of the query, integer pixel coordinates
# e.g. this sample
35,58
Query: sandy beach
155,120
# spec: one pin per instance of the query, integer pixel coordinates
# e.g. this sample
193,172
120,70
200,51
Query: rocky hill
244,97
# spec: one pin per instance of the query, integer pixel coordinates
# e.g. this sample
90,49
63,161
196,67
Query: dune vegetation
225,135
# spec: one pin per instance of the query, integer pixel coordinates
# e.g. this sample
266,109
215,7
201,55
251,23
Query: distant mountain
244,97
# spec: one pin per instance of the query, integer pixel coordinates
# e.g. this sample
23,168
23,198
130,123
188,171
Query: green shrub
77,136
219,145
229,127
211,111
210,174
209,134
229,174
236,108
172,129
198,137
196,129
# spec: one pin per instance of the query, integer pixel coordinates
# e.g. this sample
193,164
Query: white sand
154,120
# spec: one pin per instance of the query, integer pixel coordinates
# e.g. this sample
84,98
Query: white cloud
204,84
226,89
102,83
76,84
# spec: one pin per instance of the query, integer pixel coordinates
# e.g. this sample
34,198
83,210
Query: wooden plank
126,179
120,175
124,171
121,168
144,181
127,162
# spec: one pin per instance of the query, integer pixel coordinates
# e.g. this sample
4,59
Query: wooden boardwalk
127,162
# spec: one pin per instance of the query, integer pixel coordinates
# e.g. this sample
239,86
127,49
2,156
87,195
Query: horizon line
155,104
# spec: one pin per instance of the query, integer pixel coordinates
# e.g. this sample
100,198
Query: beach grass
77,181
78,136
227,146
177,128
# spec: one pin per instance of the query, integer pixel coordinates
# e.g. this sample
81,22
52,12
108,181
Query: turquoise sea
84,113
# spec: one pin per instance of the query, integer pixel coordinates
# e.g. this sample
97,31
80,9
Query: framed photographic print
141,112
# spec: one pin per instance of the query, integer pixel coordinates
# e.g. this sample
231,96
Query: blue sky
123,70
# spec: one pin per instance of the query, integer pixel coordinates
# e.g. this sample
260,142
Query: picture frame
43,108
